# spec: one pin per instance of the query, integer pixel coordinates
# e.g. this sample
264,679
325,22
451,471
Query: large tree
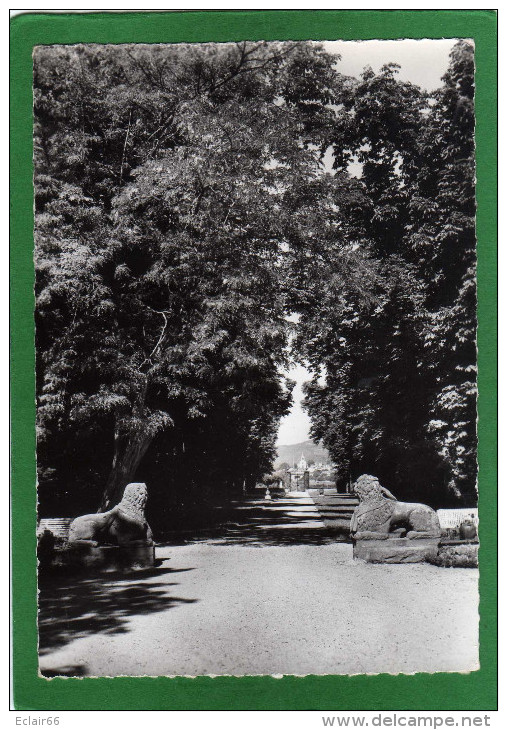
442,241
393,356
164,179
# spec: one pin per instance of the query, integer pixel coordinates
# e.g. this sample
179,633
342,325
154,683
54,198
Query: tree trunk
129,449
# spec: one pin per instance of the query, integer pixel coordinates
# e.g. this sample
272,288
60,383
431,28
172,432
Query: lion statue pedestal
384,530
119,539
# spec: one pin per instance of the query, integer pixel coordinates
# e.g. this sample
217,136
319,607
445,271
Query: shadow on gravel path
335,511
291,520
72,607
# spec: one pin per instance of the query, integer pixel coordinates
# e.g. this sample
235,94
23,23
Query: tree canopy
397,344
184,209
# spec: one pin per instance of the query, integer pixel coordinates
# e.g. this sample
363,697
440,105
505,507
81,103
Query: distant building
299,476
296,476
302,463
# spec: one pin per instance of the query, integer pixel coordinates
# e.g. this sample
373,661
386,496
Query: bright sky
296,426
423,62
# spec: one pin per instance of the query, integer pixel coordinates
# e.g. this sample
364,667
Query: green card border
438,692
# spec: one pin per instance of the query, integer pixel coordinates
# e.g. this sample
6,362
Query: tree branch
125,146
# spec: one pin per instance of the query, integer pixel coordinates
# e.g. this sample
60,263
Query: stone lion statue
125,524
380,515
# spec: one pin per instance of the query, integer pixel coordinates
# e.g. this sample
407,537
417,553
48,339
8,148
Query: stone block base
457,554
105,558
397,550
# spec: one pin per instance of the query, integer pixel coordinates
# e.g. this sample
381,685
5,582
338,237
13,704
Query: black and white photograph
256,360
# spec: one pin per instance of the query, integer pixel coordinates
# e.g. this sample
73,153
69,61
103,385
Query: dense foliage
164,192
397,345
183,210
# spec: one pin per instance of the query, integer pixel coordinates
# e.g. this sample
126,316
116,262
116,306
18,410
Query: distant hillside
291,453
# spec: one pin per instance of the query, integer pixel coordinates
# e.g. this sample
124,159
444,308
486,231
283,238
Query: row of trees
183,211
164,185
397,343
